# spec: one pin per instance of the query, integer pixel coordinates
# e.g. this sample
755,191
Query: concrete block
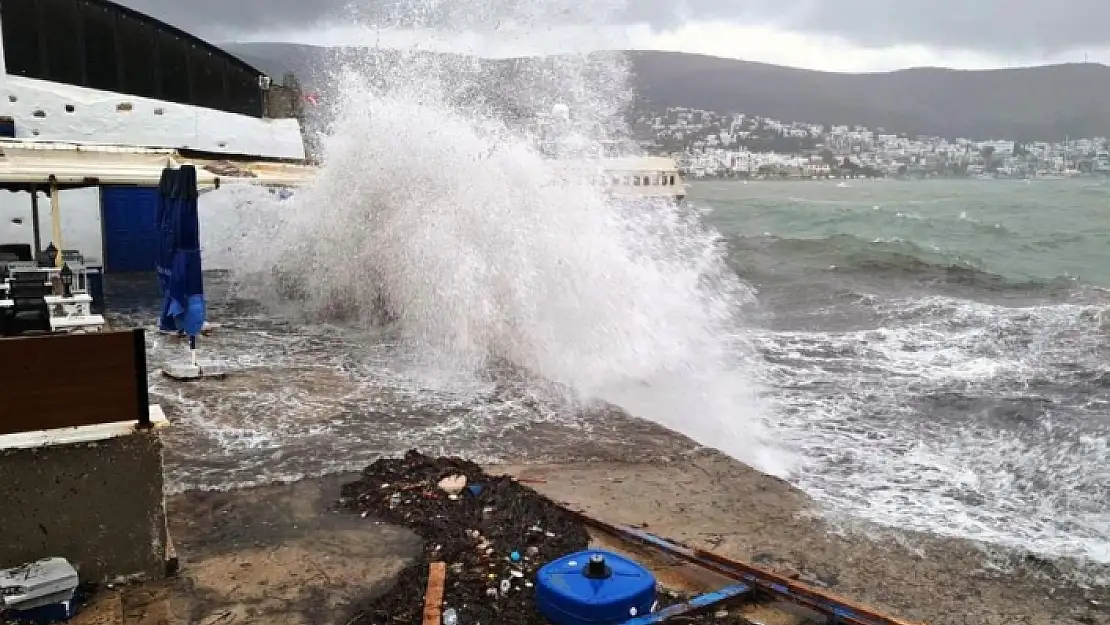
99,504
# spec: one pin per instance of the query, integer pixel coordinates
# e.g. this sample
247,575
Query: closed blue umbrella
179,266
166,247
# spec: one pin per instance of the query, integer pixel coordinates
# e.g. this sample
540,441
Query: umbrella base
206,330
186,372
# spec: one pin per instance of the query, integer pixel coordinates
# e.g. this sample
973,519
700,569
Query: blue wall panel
130,219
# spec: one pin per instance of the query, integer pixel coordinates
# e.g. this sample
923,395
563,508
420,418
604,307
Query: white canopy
44,163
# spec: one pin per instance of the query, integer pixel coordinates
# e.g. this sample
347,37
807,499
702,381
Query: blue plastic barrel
594,588
7,127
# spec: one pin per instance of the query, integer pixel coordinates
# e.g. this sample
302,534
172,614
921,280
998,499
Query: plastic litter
453,484
45,582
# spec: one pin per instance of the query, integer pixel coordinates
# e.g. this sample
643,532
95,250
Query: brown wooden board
68,380
433,597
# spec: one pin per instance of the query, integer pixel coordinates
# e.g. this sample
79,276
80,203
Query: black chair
21,251
32,283
29,312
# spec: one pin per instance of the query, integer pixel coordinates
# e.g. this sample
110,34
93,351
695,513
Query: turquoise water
1022,232
939,351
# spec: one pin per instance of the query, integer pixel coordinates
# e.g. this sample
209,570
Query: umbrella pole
56,217
36,230
193,350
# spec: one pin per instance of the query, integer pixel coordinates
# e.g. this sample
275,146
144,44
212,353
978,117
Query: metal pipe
35,229
56,221
700,602
841,610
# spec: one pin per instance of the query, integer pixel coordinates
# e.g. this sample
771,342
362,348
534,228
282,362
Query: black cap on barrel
596,568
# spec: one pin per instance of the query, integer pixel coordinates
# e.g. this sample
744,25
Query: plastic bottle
450,617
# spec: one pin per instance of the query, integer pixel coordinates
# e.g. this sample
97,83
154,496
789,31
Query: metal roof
190,38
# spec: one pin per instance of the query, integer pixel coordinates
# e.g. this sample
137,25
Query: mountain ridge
1039,103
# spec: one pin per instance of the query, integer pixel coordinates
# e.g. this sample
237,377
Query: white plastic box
40,583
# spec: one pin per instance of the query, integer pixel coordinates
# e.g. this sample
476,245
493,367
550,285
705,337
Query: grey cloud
209,17
994,25
216,18
989,25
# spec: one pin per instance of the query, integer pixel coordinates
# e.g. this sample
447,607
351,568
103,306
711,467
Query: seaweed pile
475,533
493,536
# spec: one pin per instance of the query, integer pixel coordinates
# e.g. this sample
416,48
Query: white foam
1031,484
454,219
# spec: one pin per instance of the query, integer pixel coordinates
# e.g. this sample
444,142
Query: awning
265,173
24,164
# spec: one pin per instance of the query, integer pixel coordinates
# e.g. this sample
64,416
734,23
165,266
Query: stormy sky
839,35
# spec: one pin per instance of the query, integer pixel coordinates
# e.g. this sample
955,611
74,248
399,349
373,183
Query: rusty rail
697,604
840,610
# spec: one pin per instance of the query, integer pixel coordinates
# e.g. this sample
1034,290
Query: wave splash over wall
435,216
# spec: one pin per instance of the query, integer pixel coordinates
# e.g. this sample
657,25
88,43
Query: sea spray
435,214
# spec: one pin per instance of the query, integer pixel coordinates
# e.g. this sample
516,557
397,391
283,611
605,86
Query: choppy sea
934,353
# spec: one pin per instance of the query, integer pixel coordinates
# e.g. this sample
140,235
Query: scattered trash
450,617
475,537
475,533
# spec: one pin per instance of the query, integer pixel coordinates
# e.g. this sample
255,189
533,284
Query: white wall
39,110
82,228
80,211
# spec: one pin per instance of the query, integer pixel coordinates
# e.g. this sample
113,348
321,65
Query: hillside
1039,103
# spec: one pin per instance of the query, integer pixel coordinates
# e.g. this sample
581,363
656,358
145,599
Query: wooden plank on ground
433,597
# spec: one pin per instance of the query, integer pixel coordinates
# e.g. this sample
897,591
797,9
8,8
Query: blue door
130,220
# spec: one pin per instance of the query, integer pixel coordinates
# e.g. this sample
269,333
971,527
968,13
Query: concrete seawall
92,496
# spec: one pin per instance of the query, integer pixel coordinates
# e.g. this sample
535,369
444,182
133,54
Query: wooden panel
67,380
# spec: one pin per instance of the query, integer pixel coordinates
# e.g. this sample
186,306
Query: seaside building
95,72
712,144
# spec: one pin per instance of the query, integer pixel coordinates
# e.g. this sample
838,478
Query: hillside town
713,145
